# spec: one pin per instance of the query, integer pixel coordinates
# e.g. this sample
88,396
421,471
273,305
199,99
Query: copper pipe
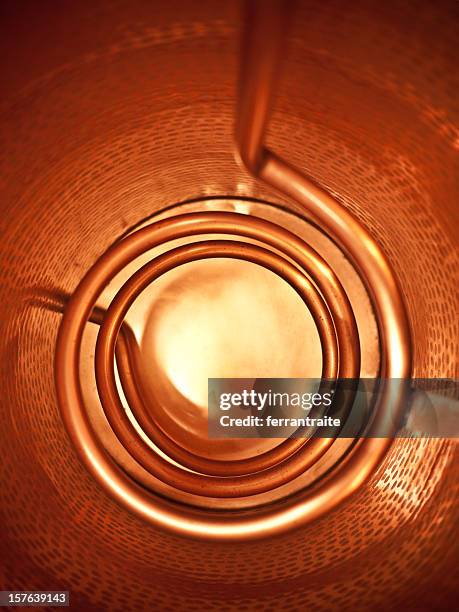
109,475
266,27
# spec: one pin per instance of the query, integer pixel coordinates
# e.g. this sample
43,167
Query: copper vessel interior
113,113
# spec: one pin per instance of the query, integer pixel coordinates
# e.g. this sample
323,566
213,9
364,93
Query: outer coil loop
319,287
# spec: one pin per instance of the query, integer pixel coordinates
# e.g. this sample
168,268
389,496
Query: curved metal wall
112,111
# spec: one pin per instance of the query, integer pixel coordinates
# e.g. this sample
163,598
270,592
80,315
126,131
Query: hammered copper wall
112,110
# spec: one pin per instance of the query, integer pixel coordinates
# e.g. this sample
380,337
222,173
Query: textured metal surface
92,144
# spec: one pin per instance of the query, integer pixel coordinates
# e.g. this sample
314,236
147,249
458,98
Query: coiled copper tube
369,260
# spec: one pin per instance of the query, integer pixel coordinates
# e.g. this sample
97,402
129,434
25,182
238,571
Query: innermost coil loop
193,483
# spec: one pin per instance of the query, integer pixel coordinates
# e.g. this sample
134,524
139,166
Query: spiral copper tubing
263,48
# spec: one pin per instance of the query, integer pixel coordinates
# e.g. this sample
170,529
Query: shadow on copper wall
114,114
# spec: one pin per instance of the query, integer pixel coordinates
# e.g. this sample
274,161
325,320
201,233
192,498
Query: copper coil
341,353
83,302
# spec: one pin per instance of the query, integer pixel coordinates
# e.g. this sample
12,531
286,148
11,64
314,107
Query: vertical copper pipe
263,44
